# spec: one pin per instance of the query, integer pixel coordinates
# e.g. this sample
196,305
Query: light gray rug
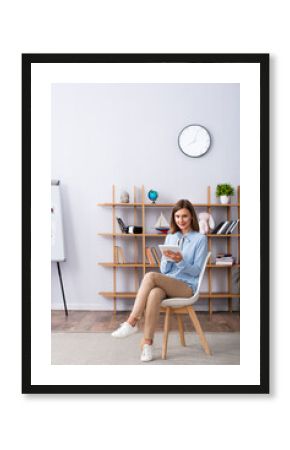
101,348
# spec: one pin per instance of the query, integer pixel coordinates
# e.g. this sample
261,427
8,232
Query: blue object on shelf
153,195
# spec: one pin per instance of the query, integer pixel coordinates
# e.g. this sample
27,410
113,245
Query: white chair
180,306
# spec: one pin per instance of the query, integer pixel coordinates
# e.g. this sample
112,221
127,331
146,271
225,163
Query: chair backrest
202,272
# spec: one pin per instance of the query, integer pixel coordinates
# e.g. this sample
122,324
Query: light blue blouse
194,252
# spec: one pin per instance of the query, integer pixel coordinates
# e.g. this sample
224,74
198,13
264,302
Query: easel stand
61,284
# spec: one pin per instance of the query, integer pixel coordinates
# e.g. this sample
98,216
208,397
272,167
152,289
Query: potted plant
224,191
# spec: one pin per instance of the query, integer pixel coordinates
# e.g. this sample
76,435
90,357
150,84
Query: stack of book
152,256
119,255
225,259
226,227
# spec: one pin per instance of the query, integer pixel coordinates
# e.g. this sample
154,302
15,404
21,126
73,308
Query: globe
153,195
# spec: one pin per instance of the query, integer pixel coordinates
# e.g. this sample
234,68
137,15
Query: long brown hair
179,205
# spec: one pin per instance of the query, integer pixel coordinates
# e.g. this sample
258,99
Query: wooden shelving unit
142,265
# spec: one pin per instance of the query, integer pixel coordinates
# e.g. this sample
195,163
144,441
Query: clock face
194,141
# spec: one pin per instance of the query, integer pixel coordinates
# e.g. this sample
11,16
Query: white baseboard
82,307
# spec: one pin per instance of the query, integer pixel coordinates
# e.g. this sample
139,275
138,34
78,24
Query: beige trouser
154,288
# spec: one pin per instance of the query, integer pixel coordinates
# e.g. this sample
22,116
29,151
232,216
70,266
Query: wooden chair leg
165,332
180,329
198,330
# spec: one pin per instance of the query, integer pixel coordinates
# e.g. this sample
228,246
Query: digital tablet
171,248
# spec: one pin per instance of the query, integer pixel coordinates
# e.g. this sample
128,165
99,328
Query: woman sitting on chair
177,279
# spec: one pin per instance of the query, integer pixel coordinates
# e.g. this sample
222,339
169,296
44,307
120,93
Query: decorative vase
124,197
225,199
153,195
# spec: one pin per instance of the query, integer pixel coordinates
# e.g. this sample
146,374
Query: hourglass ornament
153,195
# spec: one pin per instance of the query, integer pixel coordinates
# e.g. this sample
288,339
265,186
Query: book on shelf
224,255
119,255
155,255
224,259
224,263
146,258
150,256
116,254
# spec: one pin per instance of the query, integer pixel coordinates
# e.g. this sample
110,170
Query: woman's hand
177,257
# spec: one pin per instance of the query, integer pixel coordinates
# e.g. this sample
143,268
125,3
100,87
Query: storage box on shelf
142,265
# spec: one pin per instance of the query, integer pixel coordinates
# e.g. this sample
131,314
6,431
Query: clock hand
194,140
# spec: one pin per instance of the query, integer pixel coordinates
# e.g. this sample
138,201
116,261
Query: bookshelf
140,264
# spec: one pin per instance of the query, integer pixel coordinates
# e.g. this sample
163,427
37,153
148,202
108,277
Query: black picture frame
263,61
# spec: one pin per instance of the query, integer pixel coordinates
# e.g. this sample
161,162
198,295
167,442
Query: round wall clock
194,140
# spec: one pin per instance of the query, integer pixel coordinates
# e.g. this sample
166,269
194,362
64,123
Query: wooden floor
104,321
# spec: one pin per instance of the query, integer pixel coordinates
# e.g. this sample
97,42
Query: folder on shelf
232,226
227,227
215,230
223,228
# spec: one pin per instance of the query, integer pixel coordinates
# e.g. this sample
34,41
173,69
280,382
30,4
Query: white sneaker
146,354
124,330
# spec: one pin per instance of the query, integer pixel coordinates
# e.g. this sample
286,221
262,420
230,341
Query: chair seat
179,302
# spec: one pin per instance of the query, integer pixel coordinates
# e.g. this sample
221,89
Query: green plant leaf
224,189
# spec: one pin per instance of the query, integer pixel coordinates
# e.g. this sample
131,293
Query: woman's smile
183,219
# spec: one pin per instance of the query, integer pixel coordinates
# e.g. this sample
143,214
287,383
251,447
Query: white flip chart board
57,241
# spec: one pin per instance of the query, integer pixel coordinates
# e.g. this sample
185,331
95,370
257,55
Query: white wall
126,134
